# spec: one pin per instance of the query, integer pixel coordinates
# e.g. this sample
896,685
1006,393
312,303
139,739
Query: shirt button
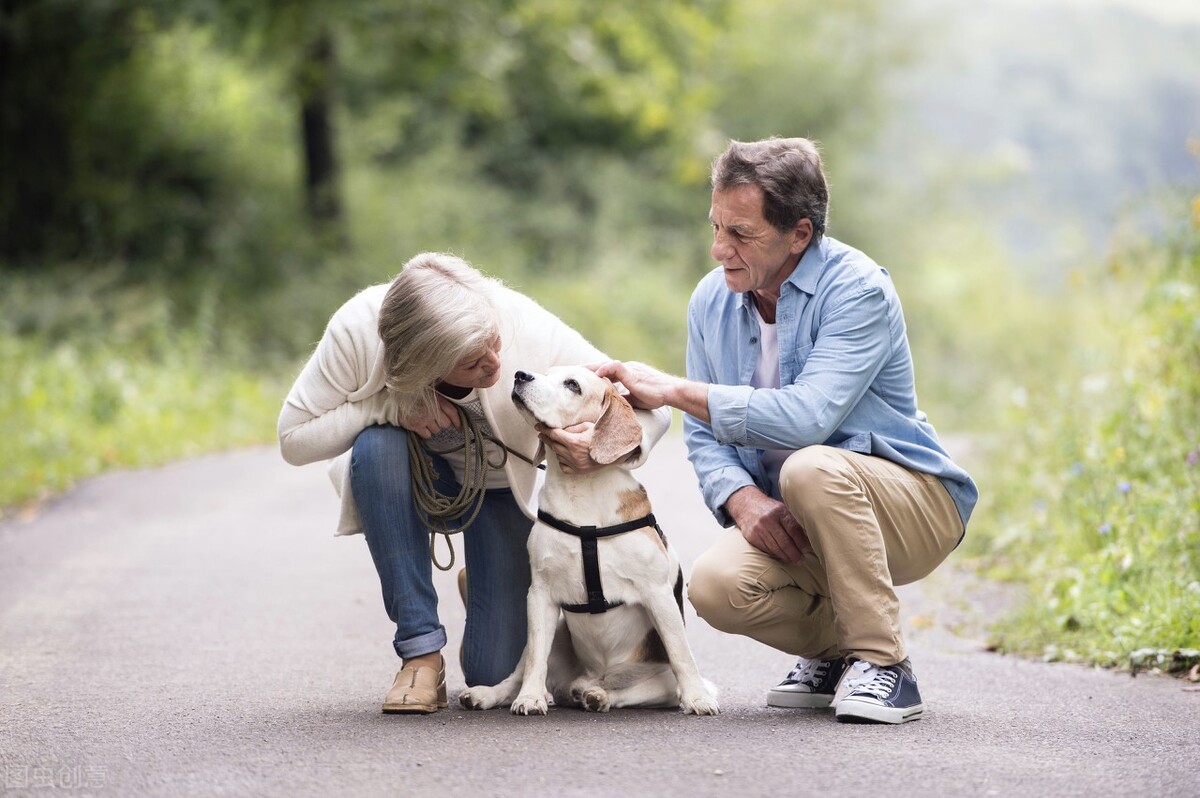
753,340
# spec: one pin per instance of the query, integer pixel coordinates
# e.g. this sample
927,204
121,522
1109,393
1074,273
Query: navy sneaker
879,694
810,685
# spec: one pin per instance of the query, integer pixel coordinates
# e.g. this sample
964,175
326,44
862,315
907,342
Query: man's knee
719,591
812,477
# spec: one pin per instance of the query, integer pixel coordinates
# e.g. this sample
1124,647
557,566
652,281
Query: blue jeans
496,558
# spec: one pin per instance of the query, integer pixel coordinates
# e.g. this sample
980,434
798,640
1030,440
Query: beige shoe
417,691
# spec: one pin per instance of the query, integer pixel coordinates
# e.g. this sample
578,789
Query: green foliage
1095,475
117,142
101,377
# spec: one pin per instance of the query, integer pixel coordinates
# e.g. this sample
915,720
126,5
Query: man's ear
618,432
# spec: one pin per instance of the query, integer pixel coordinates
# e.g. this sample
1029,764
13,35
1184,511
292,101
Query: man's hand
445,415
767,525
571,445
651,389
648,387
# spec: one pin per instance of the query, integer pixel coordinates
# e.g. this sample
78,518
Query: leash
588,535
435,508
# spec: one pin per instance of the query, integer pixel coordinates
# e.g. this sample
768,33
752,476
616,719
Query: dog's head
567,395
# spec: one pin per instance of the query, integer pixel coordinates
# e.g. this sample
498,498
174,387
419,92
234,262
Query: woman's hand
445,415
571,445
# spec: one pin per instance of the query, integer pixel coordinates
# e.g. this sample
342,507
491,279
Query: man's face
755,255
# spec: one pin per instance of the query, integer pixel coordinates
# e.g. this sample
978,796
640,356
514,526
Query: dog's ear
618,432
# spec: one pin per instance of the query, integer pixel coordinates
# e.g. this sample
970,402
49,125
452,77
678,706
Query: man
803,428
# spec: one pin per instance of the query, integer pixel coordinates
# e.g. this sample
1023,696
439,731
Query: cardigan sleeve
334,398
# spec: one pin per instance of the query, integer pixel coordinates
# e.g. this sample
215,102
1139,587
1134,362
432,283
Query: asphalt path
196,630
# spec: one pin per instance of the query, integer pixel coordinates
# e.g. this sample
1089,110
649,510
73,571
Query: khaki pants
872,525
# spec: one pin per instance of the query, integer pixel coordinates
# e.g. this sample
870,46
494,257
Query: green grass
81,393
1093,482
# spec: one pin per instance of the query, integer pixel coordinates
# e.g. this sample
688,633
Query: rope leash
436,508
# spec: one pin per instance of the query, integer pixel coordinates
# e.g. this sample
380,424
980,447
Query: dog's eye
572,386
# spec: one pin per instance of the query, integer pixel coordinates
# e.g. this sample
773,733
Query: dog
620,641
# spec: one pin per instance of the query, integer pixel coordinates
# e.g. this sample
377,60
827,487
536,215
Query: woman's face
478,370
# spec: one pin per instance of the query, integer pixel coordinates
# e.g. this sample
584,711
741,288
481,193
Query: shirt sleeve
717,465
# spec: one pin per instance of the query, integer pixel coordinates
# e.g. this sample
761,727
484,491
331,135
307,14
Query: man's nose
720,249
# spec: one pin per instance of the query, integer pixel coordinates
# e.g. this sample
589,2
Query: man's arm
728,489
650,388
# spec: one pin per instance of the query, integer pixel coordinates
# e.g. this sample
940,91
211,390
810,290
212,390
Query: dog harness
588,535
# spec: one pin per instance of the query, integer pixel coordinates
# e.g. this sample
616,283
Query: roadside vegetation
189,197
1094,476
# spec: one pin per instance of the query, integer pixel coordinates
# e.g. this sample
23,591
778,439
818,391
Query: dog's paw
699,704
595,699
529,705
477,698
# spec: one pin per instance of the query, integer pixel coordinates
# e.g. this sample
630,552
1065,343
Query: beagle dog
620,640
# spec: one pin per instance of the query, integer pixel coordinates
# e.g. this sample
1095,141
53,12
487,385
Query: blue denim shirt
845,370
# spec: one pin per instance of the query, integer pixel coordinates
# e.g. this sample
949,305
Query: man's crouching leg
740,590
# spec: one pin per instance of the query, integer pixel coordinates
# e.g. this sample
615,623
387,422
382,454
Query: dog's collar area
588,535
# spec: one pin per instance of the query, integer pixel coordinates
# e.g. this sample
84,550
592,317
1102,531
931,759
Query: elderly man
803,428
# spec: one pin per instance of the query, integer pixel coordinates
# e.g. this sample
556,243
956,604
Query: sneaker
880,694
810,685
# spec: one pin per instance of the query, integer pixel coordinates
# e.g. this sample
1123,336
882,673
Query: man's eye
572,386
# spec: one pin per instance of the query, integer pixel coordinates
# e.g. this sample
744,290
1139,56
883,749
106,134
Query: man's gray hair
438,311
788,171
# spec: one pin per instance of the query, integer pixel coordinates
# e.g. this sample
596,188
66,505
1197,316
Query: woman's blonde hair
438,311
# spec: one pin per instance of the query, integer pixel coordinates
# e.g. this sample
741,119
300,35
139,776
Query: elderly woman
433,355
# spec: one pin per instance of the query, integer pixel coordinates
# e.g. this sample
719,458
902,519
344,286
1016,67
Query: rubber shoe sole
795,699
856,710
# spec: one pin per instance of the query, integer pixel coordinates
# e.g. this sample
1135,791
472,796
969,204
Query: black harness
588,535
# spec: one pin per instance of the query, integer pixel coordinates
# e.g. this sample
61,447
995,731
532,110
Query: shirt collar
804,276
808,270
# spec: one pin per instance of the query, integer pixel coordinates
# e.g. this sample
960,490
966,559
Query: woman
433,355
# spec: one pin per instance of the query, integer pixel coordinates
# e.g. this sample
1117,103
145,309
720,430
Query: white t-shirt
766,375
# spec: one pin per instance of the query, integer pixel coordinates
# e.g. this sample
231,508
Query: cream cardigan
340,392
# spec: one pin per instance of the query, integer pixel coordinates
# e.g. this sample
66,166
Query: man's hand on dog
650,389
767,525
571,445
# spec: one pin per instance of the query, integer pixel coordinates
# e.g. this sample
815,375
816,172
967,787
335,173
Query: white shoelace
809,671
867,678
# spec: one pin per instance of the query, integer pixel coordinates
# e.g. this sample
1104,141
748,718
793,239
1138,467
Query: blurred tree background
189,188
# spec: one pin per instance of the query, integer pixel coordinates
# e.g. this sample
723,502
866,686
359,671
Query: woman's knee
378,451
379,443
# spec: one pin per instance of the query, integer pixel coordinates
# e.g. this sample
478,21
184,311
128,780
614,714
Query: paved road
196,630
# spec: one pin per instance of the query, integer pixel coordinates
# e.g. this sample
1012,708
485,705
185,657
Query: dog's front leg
542,615
694,695
484,697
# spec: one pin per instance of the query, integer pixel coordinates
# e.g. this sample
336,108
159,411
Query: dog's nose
522,376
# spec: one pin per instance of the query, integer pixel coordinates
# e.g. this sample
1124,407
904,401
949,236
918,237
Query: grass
80,395
1093,485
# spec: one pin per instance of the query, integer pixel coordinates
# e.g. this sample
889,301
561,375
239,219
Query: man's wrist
690,397
736,501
